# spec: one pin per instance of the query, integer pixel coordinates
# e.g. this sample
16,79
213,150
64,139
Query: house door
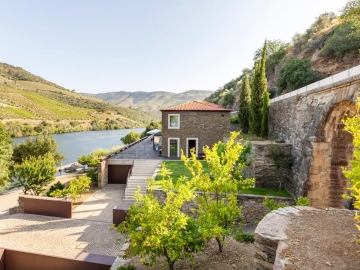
191,143
173,150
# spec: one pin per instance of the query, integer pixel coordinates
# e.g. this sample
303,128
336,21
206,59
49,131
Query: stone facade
252,208
208,127
102,173
262,166
311,123
19,208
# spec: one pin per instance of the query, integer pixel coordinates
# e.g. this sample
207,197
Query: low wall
252,208
45,206
270,236
2,259
18,260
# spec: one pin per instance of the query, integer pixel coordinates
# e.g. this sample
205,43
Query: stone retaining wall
252,208
270,236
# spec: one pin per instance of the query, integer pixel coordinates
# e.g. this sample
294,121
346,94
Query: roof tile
197,106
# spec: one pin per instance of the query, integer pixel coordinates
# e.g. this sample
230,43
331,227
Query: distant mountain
151,101
30,104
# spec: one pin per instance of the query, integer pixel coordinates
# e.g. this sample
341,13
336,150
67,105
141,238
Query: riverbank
19,128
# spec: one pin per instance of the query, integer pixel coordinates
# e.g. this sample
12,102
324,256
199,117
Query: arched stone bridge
311,120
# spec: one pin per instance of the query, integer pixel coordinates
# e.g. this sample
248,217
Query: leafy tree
76,187
352,125
153,125
234,119
156,229
92,159
282,160
217,200
5,156
37,147
130,137
244,104
34,173
265,115
296,73
259,88
229,98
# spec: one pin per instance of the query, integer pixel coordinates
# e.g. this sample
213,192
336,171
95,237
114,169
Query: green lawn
178,169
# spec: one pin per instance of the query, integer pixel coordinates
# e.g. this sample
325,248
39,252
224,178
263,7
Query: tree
34,173
218,208
5,156
259,87
153,125
76,187
244,104
37,147
352,125
161,229
130,137
265,115
295,74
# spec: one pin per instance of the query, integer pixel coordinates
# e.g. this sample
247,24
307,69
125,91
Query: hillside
29,104
330,45
151,101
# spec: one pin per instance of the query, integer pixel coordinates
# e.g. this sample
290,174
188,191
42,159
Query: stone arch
332,149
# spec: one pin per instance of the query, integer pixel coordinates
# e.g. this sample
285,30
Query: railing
324,82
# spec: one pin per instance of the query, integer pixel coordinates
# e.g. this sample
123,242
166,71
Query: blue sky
105,46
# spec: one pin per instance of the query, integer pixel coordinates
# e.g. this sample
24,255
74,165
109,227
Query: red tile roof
197,106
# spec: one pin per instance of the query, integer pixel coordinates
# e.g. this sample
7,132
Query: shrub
57,186
295,74
76,187
234,119
229,98
130,137
244,237
302,201
93,176
272,205
127,267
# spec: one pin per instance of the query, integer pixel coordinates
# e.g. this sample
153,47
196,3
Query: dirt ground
323,240
235,256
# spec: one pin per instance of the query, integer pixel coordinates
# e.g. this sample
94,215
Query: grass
178,169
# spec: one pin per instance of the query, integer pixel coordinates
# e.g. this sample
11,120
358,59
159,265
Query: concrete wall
18,260
297,119
208,127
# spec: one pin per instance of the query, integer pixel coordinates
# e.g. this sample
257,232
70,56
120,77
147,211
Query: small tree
156,229
265,115
130,137
244,104
33,174
37,147
76,187
352,125
5,156
153,125
217,201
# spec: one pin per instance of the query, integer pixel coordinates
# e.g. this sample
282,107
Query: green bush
93,176
272,205
244,237
295,74
234,119
127,267
130,137
229,98
57,186
302,201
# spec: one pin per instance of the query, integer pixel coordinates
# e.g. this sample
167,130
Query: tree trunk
220,244
171,265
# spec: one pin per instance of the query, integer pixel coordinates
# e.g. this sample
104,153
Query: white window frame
172,114
196,147
178,146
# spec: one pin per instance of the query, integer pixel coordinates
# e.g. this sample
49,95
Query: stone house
193,124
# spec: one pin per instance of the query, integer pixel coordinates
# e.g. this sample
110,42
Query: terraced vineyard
26,96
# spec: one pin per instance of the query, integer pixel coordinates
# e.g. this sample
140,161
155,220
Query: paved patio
141,150
88,231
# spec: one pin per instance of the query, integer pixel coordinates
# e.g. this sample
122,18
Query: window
174,121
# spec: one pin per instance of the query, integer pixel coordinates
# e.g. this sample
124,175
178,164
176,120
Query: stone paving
88,231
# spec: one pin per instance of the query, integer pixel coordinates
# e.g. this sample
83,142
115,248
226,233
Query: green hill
151,101
330,45
29,104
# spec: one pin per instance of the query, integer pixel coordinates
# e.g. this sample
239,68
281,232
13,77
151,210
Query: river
78,144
